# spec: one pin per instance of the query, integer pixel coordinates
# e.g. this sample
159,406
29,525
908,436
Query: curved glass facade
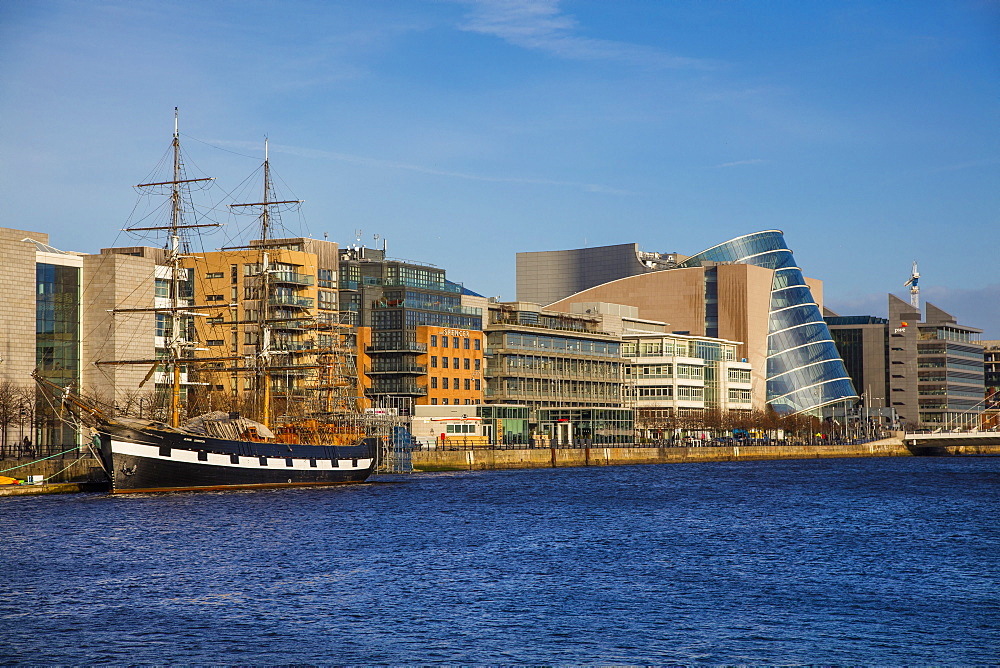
804,371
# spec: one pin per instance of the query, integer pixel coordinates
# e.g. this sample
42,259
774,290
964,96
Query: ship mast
175,271
264,351
175,254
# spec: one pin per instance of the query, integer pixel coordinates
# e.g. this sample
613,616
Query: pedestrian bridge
954,443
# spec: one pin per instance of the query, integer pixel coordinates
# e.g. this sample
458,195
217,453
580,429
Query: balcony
426,306
292,278
400,388
294,302
402,347
293,346
424,285
415,369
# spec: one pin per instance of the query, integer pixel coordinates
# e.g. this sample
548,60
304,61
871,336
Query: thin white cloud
972,164
422,169
541,25
741,163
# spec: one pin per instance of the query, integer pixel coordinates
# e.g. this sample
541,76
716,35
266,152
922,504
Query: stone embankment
61,475
458,460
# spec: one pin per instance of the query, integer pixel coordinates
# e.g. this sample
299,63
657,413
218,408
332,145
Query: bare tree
9,411
26,398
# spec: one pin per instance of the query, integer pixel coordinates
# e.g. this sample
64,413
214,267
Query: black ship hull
163,461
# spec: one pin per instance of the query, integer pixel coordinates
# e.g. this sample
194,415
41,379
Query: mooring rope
73,463
43,459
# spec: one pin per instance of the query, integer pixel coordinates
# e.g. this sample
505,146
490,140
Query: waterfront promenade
482,459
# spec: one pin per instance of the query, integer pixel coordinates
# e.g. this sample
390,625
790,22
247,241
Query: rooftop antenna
914,289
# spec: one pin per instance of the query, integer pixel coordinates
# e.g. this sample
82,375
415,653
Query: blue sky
463,132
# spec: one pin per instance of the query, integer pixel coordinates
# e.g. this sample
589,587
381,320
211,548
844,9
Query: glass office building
805,373
57,345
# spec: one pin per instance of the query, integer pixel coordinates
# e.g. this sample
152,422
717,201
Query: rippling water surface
885,561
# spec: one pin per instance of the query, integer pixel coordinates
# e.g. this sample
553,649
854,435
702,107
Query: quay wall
86,469
459,460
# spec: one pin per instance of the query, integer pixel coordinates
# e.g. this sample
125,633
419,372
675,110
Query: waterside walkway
482,459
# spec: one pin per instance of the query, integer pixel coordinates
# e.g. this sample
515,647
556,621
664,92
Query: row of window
707,350
609,391
456,384
456,341
683,392
688,371
561,366
456,361
578,346
940,349
455,402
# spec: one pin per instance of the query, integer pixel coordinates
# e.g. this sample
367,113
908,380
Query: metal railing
299,302
292,277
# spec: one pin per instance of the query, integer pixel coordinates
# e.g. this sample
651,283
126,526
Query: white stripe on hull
215,459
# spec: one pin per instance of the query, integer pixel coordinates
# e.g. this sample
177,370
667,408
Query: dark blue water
886,561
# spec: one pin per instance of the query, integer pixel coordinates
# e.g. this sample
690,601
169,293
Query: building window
444,362
444,341
456,365
444,384
477,344
434,382
215,298
468,383
739,375
434,361
445,401
434,401
739,396
215,342
328,300
478,363
456,383
478,385
693,393
454,341
465,363
465,343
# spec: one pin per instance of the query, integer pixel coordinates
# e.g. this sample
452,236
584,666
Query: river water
847,561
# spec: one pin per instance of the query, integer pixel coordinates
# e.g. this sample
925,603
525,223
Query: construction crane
914,289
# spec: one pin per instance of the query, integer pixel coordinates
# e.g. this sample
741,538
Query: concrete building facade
991,372
542,358
750,290
927,370
546,277
406,310
673,379
42,319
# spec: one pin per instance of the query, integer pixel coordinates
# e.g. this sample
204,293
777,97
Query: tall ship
286,408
